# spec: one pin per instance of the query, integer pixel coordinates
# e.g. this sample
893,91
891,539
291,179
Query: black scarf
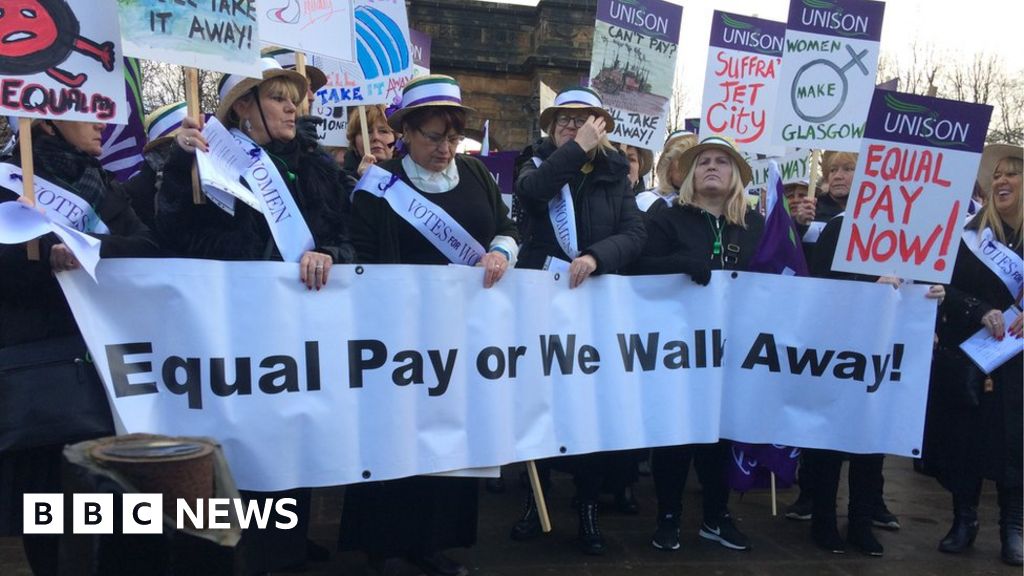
59,161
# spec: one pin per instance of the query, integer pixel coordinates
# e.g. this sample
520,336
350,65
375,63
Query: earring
247,126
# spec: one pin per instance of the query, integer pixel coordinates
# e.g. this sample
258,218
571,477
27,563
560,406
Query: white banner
323,28
392,371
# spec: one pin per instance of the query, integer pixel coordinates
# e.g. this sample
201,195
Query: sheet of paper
85,248
19,223
989,353
221,167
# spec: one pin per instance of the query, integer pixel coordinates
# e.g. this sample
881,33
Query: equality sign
632,66
829,65
670,363
914,177
742,80
323,27
62,60
219,36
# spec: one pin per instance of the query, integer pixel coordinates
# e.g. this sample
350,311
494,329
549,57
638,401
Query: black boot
590,540
826,535
1011,517
529,525
964,530
860,536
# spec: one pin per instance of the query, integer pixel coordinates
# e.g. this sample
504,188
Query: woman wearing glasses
583,220
417,518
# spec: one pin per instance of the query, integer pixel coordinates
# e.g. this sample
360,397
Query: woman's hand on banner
582,267
494,264
590,134
190,137
61,258
314,269
891,281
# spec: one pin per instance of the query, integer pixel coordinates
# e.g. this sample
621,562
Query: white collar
430,181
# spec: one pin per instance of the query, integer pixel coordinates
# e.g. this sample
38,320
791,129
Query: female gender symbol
855,60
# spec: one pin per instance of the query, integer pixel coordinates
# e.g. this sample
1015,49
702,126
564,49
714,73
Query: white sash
291,234
63,206
563,219
436,225
1002,261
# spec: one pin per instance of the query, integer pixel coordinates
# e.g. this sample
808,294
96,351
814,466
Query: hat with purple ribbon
430,90
233,86
163,123
577,98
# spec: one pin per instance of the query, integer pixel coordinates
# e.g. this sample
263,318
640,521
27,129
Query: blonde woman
670,173
708,228
974,420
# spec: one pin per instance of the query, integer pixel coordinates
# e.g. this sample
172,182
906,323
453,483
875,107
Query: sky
988,26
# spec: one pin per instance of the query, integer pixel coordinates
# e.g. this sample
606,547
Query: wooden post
538,493
194,111
300,67
364,131
812,174
28,188
775,508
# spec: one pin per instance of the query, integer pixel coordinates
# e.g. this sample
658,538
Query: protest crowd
588,202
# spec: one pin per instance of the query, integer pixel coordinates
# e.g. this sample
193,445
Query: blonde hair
271,88
374,114
670,158
833,159
735,205
990,218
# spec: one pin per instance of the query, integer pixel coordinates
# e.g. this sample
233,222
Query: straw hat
718,143
577,98
990,157
162,124
674,138
286,58
234,86
424,91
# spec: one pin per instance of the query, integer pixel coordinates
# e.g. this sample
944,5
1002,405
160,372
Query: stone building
507,58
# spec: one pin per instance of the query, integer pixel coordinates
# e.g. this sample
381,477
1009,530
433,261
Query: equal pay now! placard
742,80
392,371
829,66
914,179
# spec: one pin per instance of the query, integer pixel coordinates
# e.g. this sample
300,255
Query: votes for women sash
429,219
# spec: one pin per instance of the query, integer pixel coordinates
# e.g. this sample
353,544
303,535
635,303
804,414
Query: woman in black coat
34,313
291,175
417,518
974,420
708,228
583,219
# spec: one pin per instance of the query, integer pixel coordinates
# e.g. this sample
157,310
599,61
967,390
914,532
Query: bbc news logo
143,513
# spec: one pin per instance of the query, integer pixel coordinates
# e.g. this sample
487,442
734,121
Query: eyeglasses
576,121
440,140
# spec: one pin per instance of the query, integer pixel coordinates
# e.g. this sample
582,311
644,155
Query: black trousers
865,479
670,466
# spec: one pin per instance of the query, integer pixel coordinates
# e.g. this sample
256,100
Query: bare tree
164,83
1008,117
919,71
677,104
974,82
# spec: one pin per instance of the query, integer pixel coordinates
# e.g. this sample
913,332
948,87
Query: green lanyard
716,229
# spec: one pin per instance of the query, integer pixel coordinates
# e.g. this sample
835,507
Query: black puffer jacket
609,226
681,241
320,190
